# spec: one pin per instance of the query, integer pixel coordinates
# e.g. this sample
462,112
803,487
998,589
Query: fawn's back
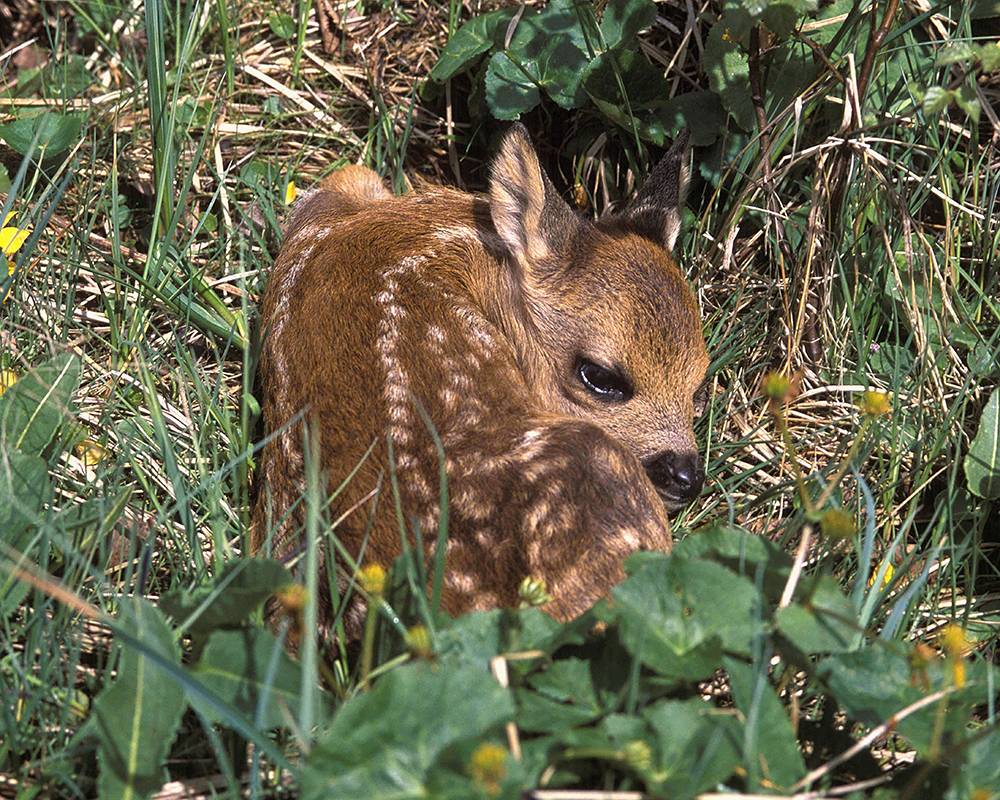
556,359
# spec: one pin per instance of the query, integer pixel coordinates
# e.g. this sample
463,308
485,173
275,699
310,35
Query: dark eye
605,384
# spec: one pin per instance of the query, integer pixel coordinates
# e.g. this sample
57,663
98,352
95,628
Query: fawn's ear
528,213
656,210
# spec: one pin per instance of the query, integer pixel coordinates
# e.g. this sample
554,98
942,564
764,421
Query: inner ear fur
528,213
656,210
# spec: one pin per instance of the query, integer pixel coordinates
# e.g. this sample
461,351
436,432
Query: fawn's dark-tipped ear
656,210
528,213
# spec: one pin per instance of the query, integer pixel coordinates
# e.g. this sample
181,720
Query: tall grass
854,258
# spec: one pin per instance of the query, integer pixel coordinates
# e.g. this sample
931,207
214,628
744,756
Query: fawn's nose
678,477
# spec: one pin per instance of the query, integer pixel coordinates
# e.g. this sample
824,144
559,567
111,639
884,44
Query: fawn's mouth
678,478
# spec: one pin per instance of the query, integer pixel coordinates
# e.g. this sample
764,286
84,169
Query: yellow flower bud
533,592
838,524
372,580
875,404
488,767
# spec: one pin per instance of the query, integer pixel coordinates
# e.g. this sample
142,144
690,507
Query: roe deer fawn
556,358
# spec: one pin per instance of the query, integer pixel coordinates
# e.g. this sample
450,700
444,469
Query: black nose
677,477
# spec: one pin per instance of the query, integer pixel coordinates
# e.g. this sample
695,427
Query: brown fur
484,309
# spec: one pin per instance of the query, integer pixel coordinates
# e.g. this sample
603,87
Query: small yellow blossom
889,571
290,193
638,755
292,598
775,386
838,524
488,767
920,658
7,379
875,404
11,238
90,452
372,580
419,643
955,646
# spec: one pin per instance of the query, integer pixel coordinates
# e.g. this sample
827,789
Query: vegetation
828,622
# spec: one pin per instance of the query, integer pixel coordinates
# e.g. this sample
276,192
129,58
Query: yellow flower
90,452
776,386
290,193
488,767
11,238
955,646
372,579
885,581
7,379
875,404
419,643
838,524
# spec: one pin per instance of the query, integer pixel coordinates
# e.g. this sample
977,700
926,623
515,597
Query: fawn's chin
674,502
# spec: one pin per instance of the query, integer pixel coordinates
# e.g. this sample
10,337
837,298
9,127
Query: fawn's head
605,326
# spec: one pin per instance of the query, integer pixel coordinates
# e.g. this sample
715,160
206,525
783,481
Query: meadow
828,623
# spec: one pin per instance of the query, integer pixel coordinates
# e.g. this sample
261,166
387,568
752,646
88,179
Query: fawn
557,359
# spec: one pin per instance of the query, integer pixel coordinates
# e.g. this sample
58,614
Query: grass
852,256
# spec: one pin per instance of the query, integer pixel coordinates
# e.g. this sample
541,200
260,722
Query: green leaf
729,75
282,25
678,614
34,409
389,743
24,487
875,684
770,747
563,696
824,622
982,464
474,38
138,715
509,91
56,132
697,747
623,19
237,667
229,597
547,52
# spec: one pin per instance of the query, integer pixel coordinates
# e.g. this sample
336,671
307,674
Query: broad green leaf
547,52
24,488
282,25
877,683
474,38
33,410
388,743
982,464
237,667
824,622
697,747
623,19
229,597
729,74
474,639
701,111
769,745
138,715
56,132
562,696
678,614
509,91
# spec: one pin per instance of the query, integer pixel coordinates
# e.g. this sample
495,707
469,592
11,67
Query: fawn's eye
605,384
